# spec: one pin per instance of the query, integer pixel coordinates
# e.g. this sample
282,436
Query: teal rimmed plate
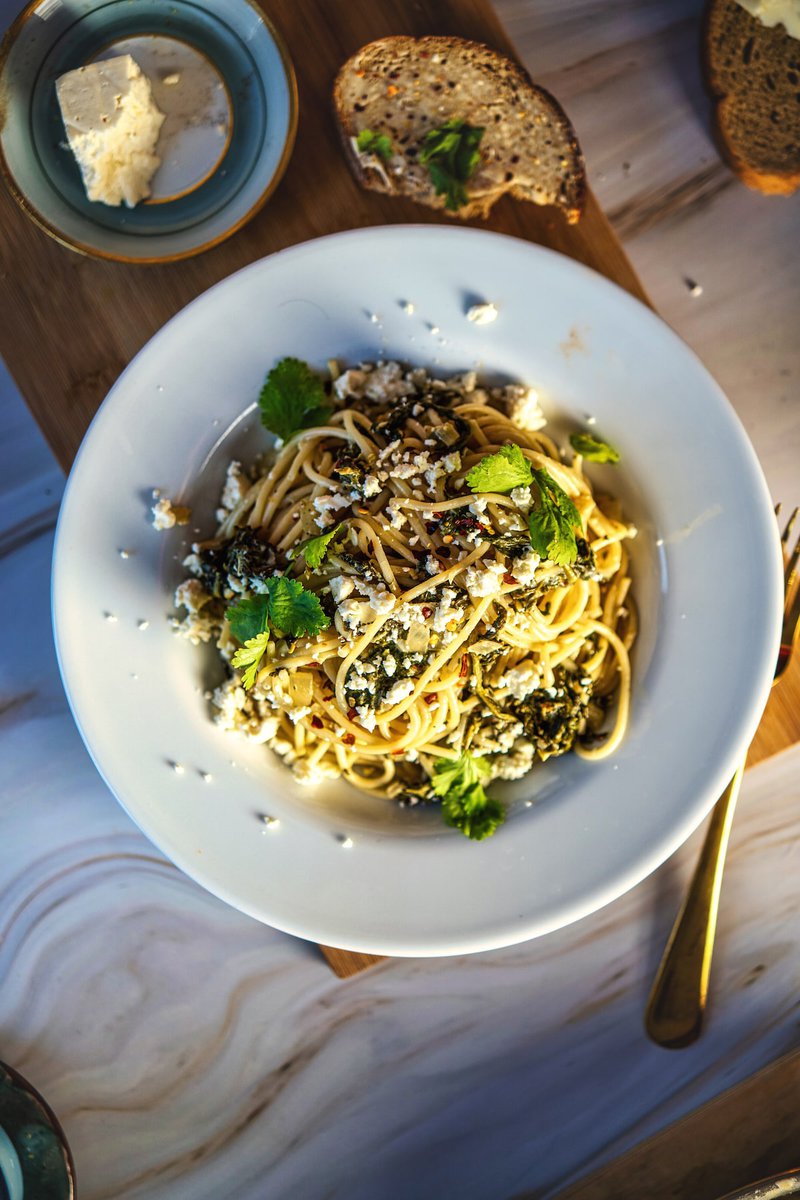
35,1160
219,72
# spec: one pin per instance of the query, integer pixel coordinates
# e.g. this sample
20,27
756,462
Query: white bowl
707,581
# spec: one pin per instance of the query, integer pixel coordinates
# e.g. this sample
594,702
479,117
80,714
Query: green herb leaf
451,154
248,618
292,609
593,448
315,548
465,805
500,472
370,142
285,608
554,521
250,656
292,399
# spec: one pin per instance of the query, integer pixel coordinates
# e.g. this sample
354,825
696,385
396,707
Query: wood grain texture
746,1134
345,963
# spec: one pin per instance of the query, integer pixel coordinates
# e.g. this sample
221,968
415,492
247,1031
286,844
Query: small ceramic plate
339,865
219,73
35,1161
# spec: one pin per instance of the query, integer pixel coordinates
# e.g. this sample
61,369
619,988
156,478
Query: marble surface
192,1053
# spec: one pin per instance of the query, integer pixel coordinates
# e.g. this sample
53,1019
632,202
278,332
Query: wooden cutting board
69,324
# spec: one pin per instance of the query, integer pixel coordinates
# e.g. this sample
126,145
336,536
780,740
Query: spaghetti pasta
448,634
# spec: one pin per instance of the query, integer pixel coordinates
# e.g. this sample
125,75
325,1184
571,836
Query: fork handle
675,1009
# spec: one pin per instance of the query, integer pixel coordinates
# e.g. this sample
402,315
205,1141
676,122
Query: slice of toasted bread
403,88
753,73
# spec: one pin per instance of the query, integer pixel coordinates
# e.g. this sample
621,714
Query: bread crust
399,46
768,182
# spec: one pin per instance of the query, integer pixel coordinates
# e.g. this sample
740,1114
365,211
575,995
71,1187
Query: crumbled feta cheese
521,497
381,601
445,610
522,679
327,505
484,580
482,314
524,569
367,717
515,764
341,587
386,382
356,612
432,565
310,774
390,665
164,515
237,485
191,595
371,486
351,383
397,518
400,690
522,406
192,562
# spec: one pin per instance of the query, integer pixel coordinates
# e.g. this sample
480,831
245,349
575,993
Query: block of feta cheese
112,124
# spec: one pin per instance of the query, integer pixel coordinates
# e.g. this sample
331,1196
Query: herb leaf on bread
370,142
452,156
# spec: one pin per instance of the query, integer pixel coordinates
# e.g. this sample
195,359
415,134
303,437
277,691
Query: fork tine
790,571
787,532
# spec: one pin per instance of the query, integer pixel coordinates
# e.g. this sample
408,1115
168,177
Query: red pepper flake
327,695
508,578
397,753
351,714
426,611
429,698
464,666
316,722
349,739
438,515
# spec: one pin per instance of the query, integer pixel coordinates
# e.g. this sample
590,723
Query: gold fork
675,1009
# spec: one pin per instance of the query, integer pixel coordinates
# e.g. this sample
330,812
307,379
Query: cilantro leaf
286,607
315,548
500,472
292,399
292,609
553,522
370,142
474,813
465,805
593,448
451,154
248,618
250,656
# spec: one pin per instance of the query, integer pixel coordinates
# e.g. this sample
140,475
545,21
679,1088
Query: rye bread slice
403,87
753,73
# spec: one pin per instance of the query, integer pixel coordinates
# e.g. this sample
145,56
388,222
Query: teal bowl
228,147
35,1161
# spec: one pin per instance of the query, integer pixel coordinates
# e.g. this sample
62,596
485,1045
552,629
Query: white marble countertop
192,1053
